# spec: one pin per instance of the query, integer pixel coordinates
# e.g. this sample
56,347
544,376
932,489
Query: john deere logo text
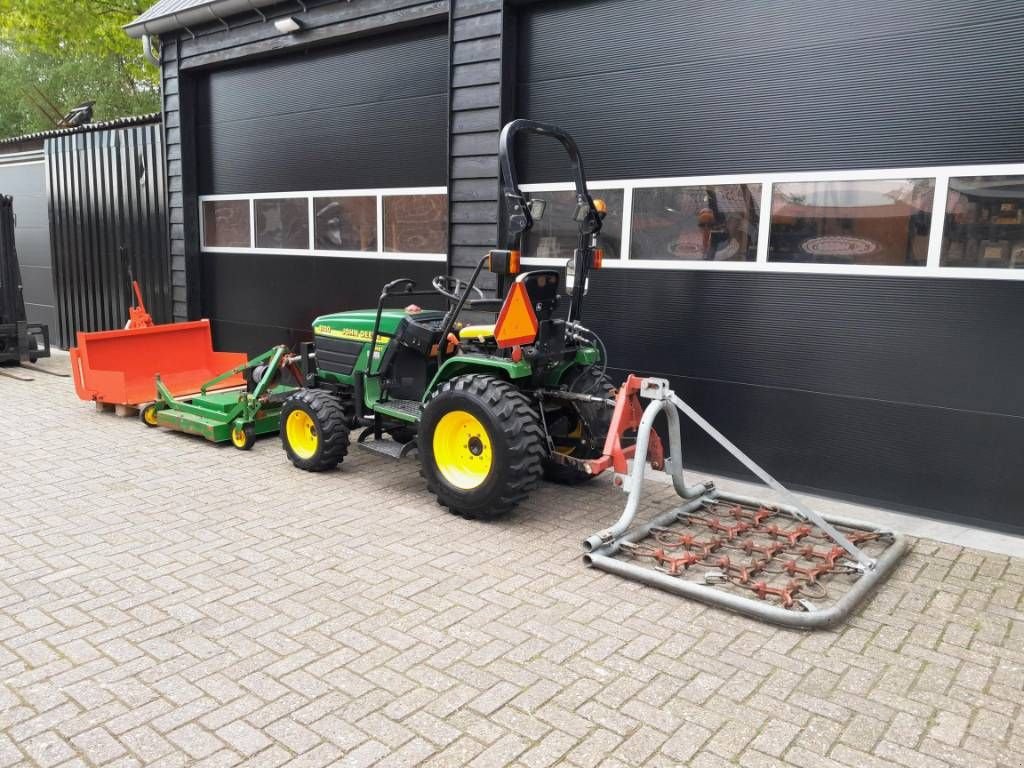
352,334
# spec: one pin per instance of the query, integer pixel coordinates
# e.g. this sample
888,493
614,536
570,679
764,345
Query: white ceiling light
287,25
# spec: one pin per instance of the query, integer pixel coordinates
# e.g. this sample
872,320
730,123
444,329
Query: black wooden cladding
252,35
478,107
368,114
681,87
107,192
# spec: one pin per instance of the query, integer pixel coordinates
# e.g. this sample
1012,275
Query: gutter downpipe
147,51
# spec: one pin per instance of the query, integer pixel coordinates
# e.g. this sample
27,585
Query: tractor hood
357,325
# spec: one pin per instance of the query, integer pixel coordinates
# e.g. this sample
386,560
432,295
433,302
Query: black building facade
816,216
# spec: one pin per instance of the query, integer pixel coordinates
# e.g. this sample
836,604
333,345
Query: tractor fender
462,364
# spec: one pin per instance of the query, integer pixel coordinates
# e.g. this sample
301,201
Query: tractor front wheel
481,446
313,430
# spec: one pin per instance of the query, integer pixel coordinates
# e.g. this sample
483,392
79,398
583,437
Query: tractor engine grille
337,355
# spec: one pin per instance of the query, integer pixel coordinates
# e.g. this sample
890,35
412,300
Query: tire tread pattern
522,432
331,425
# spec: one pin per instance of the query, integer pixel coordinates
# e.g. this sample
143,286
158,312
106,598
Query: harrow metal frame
601,547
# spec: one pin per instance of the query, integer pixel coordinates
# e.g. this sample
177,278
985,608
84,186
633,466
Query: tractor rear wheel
481,446
313,430
579,421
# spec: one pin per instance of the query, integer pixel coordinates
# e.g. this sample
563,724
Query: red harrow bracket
781,563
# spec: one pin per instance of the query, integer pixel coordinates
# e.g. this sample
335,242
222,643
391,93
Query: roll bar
518,218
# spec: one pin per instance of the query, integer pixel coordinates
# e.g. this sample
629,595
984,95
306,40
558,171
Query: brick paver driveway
164,601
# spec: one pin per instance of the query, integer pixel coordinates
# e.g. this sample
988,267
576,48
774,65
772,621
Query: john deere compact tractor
492,407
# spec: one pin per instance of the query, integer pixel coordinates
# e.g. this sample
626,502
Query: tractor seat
477,332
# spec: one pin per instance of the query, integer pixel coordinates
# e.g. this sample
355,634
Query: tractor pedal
385,447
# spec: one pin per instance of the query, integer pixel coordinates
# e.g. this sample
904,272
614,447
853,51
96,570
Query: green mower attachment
235,415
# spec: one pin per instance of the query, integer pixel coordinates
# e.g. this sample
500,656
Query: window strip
310,197
764,224
252,224
932,267
380,223
938,222
628,260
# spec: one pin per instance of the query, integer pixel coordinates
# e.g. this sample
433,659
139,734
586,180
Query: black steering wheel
452,288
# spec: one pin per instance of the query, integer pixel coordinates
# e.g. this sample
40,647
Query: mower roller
120,367
238,416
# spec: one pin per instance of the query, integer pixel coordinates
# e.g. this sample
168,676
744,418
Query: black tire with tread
145,411
516,437
329,418
249,437
593,381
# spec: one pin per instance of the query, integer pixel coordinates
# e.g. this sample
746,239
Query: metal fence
108,210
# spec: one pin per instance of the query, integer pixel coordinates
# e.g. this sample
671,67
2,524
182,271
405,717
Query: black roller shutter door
895,390
681,88
364,115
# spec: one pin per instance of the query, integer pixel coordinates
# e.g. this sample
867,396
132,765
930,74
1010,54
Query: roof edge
211,11
118,122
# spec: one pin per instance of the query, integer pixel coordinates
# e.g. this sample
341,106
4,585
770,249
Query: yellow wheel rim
238,437
302,434
462,450
150,415
576,434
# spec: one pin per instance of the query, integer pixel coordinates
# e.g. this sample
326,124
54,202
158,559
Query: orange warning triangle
517,322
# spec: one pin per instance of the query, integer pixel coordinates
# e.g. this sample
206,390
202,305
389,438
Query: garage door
833,369
683,88
366,115
327,170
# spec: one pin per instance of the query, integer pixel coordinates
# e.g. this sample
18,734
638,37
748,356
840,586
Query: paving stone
242,737
146,743
295,736
195,741
98,746
686,742
774,737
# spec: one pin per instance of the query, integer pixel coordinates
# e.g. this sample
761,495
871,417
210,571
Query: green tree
69,51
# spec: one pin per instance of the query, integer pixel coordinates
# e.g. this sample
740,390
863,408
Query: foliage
69,51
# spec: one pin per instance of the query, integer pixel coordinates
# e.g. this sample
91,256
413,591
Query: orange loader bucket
120,367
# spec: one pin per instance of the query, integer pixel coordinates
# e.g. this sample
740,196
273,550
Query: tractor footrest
399,408
390,448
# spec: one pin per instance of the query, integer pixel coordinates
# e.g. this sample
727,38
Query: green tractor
492,407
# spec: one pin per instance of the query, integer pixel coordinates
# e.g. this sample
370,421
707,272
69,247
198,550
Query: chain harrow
759,549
